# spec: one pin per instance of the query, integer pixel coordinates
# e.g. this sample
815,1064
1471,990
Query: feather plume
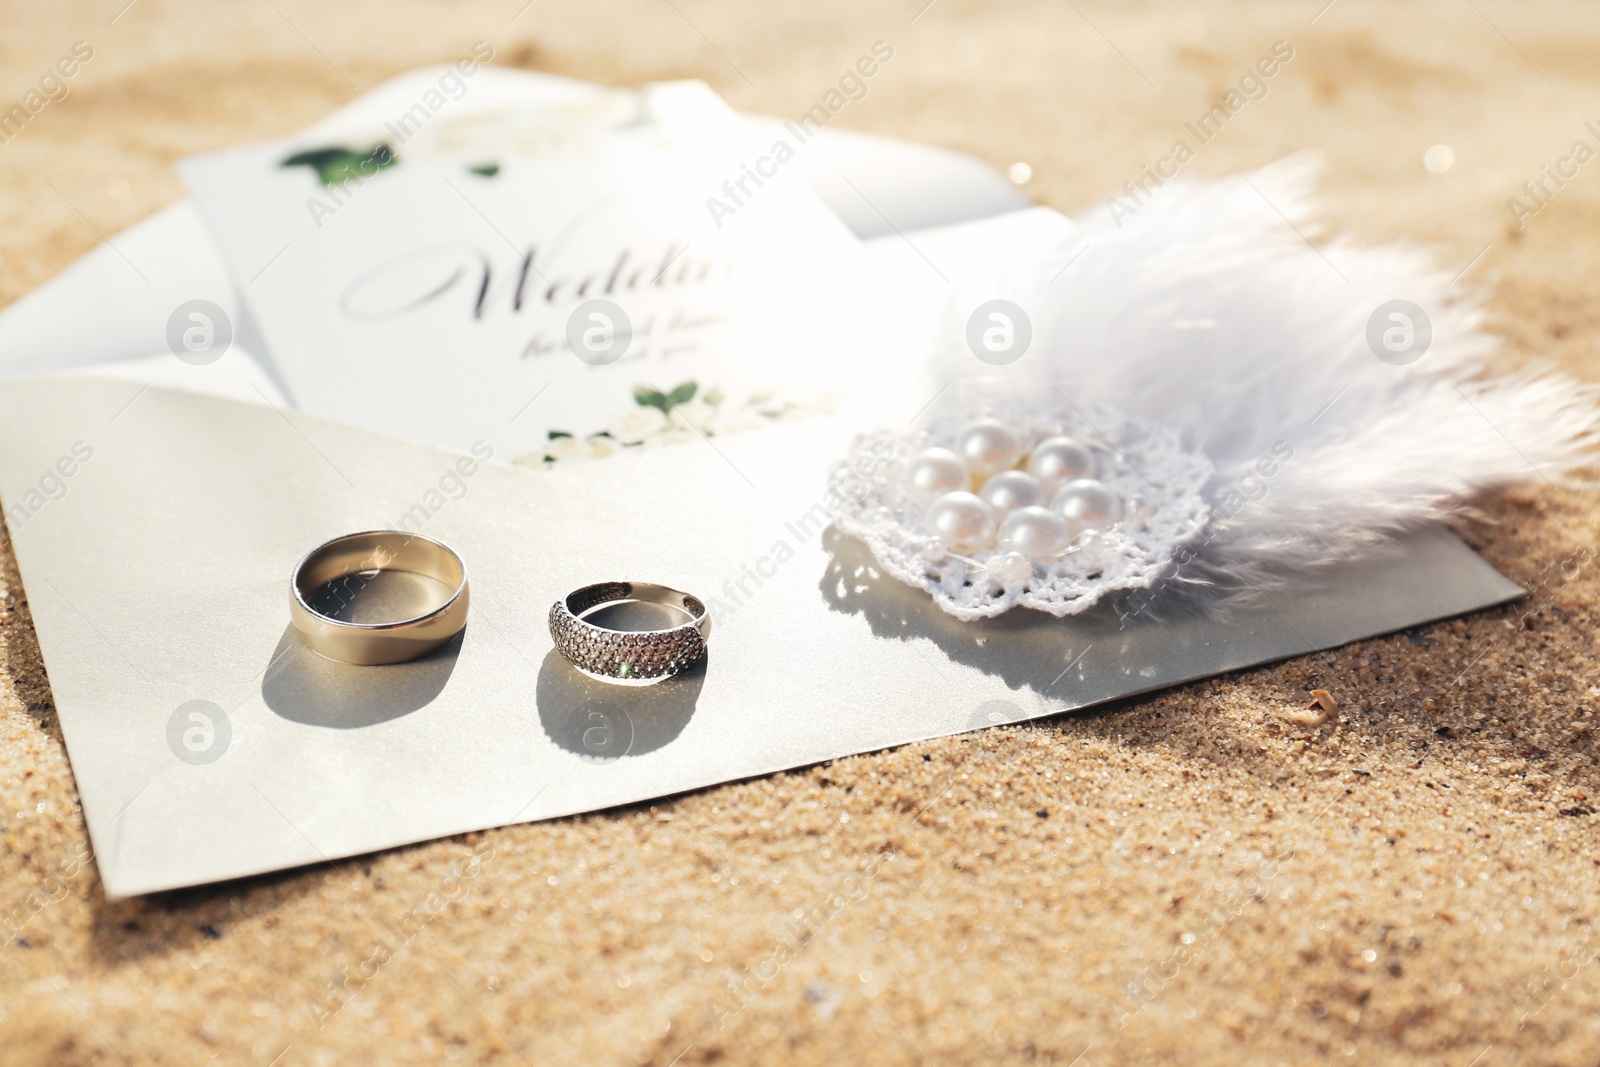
1216,310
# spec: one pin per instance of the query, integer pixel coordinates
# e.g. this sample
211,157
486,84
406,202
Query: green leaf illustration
647,397
681,395
486,170
335,166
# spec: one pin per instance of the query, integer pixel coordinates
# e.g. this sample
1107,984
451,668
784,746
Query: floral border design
664,418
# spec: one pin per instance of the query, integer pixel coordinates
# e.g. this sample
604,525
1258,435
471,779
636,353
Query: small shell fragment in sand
1321,711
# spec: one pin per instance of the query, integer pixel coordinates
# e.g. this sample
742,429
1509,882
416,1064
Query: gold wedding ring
329,579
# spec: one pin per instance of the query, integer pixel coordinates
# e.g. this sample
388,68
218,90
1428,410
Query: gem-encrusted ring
629,657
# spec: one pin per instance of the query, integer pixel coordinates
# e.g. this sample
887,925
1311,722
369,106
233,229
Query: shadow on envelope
1026,649
601,722
303,687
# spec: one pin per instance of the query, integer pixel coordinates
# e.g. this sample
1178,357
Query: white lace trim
1160,482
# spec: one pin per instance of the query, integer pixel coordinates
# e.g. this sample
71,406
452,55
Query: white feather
1212,311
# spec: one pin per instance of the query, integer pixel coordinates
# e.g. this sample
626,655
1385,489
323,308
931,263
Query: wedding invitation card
586,270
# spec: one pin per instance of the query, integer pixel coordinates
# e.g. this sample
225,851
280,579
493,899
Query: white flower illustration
737,419
670,436
565,448
636,424
693,415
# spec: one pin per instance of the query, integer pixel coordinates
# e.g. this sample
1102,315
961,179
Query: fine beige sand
1198,877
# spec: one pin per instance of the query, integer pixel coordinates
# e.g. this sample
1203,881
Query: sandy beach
1202,876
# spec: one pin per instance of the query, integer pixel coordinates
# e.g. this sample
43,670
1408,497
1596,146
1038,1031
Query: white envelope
159,529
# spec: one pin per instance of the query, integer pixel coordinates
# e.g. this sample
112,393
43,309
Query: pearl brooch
1009,513
1006,503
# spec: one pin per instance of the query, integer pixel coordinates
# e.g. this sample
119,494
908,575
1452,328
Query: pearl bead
1099,549
987,447
1035,533
1088,503
962,520
1136,509
1057,460
933,550
1010,490
1011,568
934,472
